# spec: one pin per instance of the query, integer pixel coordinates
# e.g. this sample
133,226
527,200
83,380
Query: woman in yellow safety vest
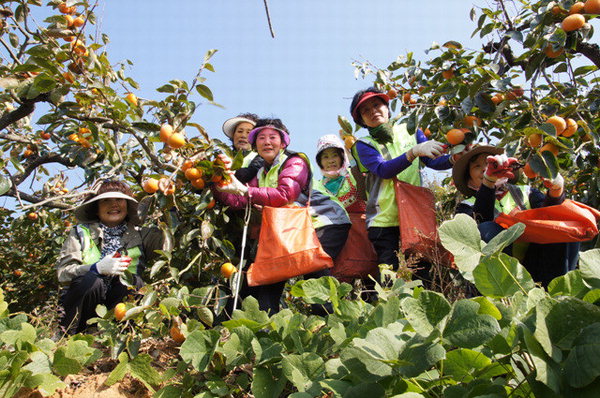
389,151
107,241
283,180
485,175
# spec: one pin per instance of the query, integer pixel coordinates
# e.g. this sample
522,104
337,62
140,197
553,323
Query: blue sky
303,76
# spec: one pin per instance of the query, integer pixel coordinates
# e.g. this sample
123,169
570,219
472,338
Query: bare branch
12,54
269,18
14,193
37,161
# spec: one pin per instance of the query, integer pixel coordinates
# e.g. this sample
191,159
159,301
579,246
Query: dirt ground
90,382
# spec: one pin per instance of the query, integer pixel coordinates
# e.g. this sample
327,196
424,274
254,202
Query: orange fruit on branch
528,171
550,53
534,140
166,131
392,93
471,121
455,136
573,22
198,184
558,122
176,140
150,185
132,99
228,269
577,8
32,216
570,129
592,7
120,310
550,147
448,74
78,22
193,173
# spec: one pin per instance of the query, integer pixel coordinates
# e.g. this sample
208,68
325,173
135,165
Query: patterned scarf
112,238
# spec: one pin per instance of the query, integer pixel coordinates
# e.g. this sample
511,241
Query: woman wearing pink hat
107,241
285,179
389,151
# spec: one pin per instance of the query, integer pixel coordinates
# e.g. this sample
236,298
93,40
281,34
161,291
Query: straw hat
230,124
87,213
460,169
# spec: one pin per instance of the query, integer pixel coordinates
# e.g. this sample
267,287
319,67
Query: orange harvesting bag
418,226
287,247
570,221
358,257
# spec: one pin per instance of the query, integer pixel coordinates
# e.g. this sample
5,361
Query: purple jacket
293,177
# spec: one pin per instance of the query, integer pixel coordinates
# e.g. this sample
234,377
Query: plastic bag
418,226
287,247
358,257
570,221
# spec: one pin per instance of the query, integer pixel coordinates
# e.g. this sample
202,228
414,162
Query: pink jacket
293,177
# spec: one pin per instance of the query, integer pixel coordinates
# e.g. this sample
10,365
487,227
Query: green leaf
426,312
461,237
141,369
40,363
303,370
503,239
267,382
462,364
468,328
370,358
583,363
146,126
205,92
589,265
559,321
502,276
199,348
117,374
570,284
345,124
63,365
546,164
46,383
419,354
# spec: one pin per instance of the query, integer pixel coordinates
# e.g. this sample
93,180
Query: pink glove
500,166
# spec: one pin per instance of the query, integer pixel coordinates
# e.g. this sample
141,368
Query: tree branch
34,199
590,51
37,161
269,18
26,108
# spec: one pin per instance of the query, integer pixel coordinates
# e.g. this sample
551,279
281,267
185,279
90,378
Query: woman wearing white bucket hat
237,129
106,242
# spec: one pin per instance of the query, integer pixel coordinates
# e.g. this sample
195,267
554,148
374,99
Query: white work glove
225,159
431,149
555,185
234,187
111,265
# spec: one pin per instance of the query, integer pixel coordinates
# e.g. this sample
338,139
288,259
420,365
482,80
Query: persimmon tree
532,88
69,118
